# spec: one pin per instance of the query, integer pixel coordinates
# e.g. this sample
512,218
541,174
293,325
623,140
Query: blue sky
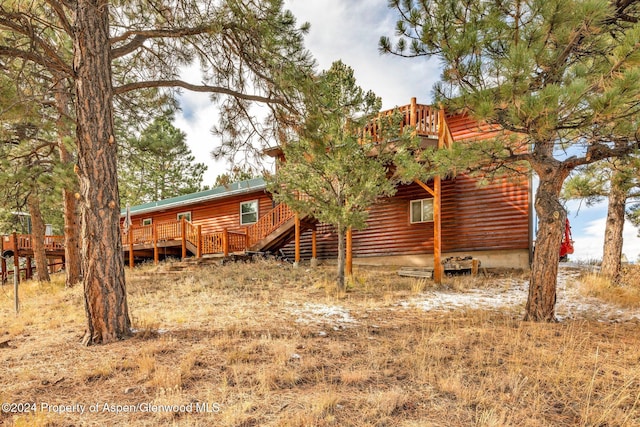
349,30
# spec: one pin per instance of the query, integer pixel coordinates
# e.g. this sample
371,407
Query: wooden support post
225,242
183,233
130,238
444,140
437,232
28,274
156,256
199,242
413,117
349,260
475,266
297,240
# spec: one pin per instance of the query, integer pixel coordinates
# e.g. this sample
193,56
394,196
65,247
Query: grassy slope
234,337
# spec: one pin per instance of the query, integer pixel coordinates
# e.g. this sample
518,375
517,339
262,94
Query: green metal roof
234,189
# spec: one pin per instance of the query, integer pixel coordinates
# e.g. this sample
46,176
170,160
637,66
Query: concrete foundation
516,259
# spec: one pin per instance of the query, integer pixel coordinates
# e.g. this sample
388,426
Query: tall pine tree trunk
551,222
341,231
73,262
102,257
73,268
612,251
37,238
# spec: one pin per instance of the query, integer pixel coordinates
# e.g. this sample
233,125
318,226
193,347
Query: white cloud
588,245
350,31
197,116
200,116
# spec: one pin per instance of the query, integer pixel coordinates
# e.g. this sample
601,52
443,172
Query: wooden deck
177,239
21,243
424,119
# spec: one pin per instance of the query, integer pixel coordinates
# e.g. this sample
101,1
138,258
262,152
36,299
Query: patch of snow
509,293
512,294
333,315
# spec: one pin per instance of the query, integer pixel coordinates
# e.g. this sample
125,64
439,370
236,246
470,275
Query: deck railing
169,230
222,242
424,118
142,235
191,234
212,243
22,242
54,243
237,241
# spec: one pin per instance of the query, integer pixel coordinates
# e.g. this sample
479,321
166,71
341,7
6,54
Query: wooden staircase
275,229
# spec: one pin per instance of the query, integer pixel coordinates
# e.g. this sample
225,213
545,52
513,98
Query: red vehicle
566,247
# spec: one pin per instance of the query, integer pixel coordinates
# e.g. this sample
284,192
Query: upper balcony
426,120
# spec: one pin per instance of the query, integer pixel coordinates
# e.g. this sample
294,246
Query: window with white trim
421,211
185,215
249,212
147,221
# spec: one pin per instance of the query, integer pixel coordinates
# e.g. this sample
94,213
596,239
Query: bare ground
264,344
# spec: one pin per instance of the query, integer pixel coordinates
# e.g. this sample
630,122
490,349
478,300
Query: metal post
16,258
296,262
131,258
155,243
16,282
349,244
183,232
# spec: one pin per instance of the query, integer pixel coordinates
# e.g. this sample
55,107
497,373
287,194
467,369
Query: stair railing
268,223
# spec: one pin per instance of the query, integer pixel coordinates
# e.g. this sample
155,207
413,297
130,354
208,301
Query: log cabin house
418,226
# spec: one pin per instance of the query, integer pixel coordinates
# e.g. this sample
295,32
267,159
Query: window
249,212
185,215
421,211
147,221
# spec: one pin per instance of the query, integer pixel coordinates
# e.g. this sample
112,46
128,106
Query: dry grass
625,294
222,346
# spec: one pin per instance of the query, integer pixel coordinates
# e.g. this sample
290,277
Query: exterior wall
494,217
488,259
214,215
488,221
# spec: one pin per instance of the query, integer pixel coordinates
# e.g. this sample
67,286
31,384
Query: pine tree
618,181
556,75
118,53
158,164
27,167
236,174
330,172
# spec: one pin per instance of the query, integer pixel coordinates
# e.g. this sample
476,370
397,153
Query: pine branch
10,21
60,13
199,88
139,37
